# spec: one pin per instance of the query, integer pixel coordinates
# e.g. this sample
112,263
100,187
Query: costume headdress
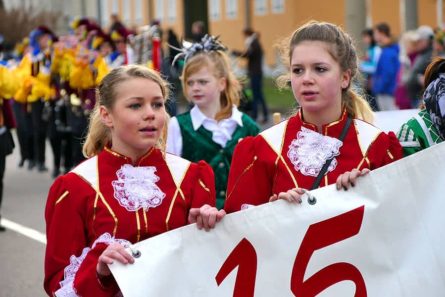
207,44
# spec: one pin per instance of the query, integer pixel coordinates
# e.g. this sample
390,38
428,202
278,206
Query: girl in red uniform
128,190
287,158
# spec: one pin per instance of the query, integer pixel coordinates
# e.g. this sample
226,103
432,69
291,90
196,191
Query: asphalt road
22,256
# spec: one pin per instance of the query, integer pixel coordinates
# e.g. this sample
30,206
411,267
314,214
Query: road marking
28,232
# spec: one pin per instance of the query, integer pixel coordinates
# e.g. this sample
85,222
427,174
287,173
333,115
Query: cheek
295,85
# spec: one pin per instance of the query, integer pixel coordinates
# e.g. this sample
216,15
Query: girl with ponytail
328,140
127,190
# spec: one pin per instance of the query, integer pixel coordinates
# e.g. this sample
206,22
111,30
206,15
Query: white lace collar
136,188
310,150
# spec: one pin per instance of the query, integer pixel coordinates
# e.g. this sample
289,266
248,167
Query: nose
149,113
307,77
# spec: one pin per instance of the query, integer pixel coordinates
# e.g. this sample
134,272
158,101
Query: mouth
148,130
309,94
197,97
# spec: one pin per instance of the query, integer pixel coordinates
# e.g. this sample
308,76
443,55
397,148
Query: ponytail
98,135
357,107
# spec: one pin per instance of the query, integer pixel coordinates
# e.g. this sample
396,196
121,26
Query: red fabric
255,164
156,54
8,117
74,222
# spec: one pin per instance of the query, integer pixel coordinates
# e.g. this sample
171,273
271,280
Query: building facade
273,19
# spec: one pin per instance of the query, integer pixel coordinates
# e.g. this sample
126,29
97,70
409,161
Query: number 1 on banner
244,256
321,235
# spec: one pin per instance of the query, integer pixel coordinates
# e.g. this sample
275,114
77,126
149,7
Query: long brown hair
218,64
99,135
342,50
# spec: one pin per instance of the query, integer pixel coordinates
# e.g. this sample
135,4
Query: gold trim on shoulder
62,197
178,168
239,177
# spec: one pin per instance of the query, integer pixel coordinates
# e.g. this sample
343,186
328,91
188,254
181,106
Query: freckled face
137,117
316,78
203,88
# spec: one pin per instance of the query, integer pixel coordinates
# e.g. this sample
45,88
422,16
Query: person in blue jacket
385,76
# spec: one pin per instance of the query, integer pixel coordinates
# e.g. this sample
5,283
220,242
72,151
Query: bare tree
17,23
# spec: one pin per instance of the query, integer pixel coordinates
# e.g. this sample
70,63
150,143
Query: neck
133,155
210,110
321,119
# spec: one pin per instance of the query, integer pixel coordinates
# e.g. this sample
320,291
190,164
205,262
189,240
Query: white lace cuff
66,286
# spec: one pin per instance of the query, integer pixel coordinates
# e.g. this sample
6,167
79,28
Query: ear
345,79
106,117
222,84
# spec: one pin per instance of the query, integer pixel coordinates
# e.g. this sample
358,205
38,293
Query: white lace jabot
136,188
310,150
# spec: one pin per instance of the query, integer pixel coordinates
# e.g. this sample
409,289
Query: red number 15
318,236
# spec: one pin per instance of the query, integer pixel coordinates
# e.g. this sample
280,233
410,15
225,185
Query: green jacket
198,145
418,133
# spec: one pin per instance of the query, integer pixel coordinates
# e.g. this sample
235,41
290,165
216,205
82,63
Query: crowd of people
394,69
137,172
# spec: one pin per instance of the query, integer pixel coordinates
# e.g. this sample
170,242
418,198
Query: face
378,36
44,41
105,49
204,89
316,78
137,117
121,46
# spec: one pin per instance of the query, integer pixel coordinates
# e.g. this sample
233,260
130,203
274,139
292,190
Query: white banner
385,237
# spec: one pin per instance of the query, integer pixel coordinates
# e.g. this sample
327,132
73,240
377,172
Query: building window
171,11
260,7
160,10
126,5
277,6
104,13
231,9
115,6
215,10
138,12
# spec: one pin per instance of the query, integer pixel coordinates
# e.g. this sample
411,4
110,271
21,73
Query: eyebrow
142,98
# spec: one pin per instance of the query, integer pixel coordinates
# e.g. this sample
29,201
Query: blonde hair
99,135
218,64
342,50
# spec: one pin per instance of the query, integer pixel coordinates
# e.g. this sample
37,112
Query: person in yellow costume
36,88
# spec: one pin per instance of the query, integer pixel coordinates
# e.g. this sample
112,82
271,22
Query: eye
297,70
321,69
202,82
189,83
158,105
135,106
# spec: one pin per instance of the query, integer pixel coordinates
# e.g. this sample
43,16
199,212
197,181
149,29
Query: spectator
414,80
198,31
254,55
385,76
368,64
427,128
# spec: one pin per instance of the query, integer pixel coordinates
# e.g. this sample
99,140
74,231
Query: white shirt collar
198,117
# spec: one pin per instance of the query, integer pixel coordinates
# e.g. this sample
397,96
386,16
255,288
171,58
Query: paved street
21,257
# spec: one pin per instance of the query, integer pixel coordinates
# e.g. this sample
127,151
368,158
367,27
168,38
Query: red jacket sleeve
66,229
250,178
386,149
204,188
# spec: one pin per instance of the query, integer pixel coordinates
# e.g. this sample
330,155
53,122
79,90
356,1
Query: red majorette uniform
292,153
108,199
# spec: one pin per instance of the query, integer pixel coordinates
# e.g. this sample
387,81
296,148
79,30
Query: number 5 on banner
318,236
321,235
